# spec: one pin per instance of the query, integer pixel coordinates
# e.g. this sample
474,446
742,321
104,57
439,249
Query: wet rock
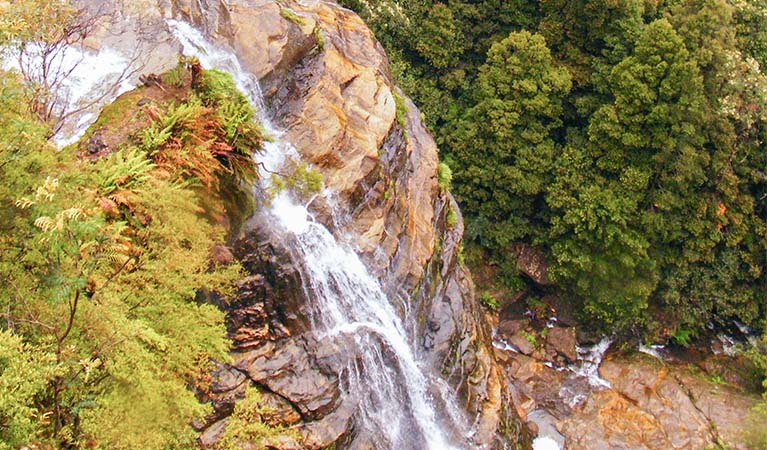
286,368
521,341
227,387
277,410
508,328
737,370
546,425
461,343
271,303
213,434
562,340
535,380
320,434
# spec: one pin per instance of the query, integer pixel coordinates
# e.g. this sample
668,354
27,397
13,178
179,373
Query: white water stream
396,407
81,77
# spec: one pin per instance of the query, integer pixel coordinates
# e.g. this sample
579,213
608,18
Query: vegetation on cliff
105,338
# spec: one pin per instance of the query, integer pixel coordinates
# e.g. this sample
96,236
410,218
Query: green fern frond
124,170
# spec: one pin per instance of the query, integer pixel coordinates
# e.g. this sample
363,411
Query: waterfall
396,397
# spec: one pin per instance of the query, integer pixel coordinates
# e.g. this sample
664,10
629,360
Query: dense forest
624,140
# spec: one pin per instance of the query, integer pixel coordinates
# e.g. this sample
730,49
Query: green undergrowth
299,178
444,176
248,425
103,341
401,109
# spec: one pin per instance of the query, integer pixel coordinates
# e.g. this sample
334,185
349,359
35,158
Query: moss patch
291,16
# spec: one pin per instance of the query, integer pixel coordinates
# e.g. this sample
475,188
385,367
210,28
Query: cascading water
393,392
85,82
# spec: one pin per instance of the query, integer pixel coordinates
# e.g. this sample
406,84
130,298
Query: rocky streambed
579,398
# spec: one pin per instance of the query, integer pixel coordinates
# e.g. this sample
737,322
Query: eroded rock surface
650,405
327,83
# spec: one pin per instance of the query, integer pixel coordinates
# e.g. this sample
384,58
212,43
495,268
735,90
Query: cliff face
327,83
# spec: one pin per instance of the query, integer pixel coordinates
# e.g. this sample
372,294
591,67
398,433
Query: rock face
650,405
327,83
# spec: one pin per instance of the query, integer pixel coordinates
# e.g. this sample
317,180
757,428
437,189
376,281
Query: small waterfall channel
399,403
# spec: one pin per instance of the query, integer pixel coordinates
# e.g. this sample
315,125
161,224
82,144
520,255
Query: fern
123,170
153,137
175,77
232,116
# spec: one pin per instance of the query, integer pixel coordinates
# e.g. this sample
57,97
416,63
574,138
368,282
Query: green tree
751,28
440,38
506,144
626,187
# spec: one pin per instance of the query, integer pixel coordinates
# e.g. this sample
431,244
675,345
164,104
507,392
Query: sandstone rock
656,406
277,410
724,406
562,340
287,369
221,255
533,379
322,433
508,328
655,391
608,420
283,443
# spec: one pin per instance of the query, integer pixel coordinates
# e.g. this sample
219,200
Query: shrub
320,38
247,424
452,218
489,301
401,111
444,176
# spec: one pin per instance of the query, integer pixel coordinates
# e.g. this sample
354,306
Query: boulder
657,406
521,341
213,434
532,262
286,368
508,328
562,340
